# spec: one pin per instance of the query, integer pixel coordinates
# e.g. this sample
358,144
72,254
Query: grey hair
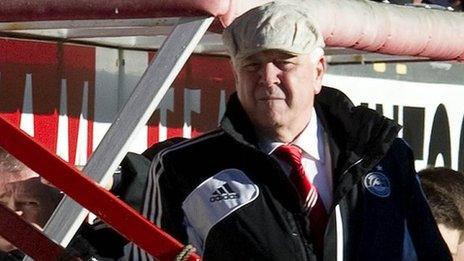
8,163
316,54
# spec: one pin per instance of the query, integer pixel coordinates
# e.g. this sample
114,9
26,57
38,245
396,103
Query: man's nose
269,74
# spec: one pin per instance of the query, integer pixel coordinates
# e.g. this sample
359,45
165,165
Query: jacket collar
355,131
358,138
358,130
237,123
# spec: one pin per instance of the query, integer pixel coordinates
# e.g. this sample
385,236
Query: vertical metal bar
145,98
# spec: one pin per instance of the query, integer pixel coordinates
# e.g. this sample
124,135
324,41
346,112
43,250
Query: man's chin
268,125
275,105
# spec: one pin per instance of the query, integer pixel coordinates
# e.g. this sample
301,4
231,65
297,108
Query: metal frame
145,98
97,23
139,34
183,36
147,95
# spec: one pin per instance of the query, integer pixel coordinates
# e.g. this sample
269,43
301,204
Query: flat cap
273,26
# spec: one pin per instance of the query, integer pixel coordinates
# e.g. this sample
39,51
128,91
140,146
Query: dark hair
444,189
8,163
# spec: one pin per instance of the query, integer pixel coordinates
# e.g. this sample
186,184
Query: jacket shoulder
204,143
156,148
401,149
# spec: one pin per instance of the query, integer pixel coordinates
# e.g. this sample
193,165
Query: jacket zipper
339,245
297,217
343,174
352,165
305,244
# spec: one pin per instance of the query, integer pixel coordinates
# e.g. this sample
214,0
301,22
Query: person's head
278,61
22,191
444,190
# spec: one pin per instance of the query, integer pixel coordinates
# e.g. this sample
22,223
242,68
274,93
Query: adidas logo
223,193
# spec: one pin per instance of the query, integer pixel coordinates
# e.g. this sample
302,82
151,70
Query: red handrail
51,10
90,195
28,238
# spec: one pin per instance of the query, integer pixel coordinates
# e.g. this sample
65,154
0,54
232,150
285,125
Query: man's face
28,197
277,89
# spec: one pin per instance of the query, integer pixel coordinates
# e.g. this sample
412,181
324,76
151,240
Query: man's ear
320,68
461,238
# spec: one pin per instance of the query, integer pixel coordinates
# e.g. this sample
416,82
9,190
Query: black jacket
222,194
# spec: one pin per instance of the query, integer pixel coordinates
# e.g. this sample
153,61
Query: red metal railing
29,238
85,191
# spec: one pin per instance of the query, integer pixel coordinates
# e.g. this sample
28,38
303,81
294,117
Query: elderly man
22,191
295,171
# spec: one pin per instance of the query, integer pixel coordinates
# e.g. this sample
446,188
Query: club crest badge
378,184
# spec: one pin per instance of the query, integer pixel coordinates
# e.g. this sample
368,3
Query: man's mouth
270,98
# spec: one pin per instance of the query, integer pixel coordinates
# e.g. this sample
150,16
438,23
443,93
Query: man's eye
30,203
284,64
251,67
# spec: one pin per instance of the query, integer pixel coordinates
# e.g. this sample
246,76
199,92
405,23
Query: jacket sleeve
421,227
163,205
131,181
159,203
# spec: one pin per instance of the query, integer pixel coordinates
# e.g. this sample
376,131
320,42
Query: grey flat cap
273,26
